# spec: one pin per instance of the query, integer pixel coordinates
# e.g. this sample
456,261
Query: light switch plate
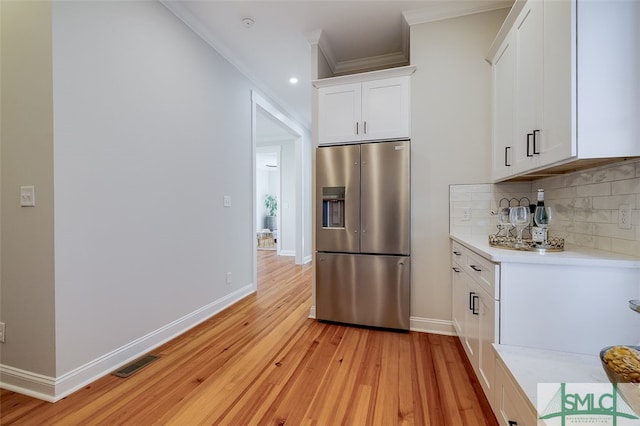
226,201
27,196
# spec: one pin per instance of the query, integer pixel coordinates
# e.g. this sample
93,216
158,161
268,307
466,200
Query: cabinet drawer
458,255
510,405
483,271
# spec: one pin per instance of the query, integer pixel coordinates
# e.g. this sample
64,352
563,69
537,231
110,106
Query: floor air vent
135,366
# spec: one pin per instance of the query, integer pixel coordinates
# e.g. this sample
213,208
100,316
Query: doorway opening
281,151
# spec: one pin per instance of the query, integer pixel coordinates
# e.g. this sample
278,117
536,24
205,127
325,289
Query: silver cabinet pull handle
457,253
475,268
455,269
634,305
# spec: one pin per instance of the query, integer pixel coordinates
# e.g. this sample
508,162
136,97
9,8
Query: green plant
271,203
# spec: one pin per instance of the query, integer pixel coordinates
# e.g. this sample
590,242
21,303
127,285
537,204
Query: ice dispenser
333,207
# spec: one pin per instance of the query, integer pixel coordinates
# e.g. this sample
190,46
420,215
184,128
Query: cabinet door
558,140
385,108
511,407
458,306
504,81
529,41
471,340
339,113
486,337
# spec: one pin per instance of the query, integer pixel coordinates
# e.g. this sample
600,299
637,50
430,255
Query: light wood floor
264,362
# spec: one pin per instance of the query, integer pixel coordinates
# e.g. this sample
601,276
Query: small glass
503,220
520,218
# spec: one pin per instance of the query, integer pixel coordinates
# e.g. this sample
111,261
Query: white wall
451,130
137,129
287,204
152,128
26,282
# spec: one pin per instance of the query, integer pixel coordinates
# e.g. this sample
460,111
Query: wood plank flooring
263,362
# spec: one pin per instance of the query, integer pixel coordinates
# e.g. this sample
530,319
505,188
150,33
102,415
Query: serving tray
509,243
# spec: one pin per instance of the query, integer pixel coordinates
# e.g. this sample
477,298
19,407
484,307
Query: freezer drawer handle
475,268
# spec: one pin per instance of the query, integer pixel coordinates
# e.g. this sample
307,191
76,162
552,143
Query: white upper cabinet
528,101
340,113
364,107
517,94
565,78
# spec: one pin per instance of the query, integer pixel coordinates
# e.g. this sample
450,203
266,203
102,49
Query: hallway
262,361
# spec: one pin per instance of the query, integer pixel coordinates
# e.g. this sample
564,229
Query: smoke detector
248,22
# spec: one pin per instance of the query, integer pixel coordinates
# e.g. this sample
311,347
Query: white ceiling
353,35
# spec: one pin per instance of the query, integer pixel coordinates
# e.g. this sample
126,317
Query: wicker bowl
629,391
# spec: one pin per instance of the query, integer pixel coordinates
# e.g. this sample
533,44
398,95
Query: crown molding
365,76
191,21
447,10
395,59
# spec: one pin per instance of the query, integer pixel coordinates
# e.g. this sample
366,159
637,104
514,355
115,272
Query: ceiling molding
395,59
389,60
197,27
456,9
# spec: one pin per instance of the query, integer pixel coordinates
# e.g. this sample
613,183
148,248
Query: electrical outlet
624,216
466,213
228,277
2,332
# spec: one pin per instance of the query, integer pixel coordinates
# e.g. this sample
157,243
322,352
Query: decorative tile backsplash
585,206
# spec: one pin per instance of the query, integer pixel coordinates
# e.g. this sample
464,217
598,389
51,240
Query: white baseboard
287,253
307,259
28,383
53,389
430,325
312,312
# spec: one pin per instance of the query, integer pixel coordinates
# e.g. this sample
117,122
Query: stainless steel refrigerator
363,263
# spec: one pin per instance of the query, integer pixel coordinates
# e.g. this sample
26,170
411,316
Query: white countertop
532,366
572,255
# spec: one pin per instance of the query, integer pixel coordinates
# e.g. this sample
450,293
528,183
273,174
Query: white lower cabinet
568,306
474,312
511,405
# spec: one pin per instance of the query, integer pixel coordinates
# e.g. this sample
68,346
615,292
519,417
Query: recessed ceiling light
293,80
248,22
